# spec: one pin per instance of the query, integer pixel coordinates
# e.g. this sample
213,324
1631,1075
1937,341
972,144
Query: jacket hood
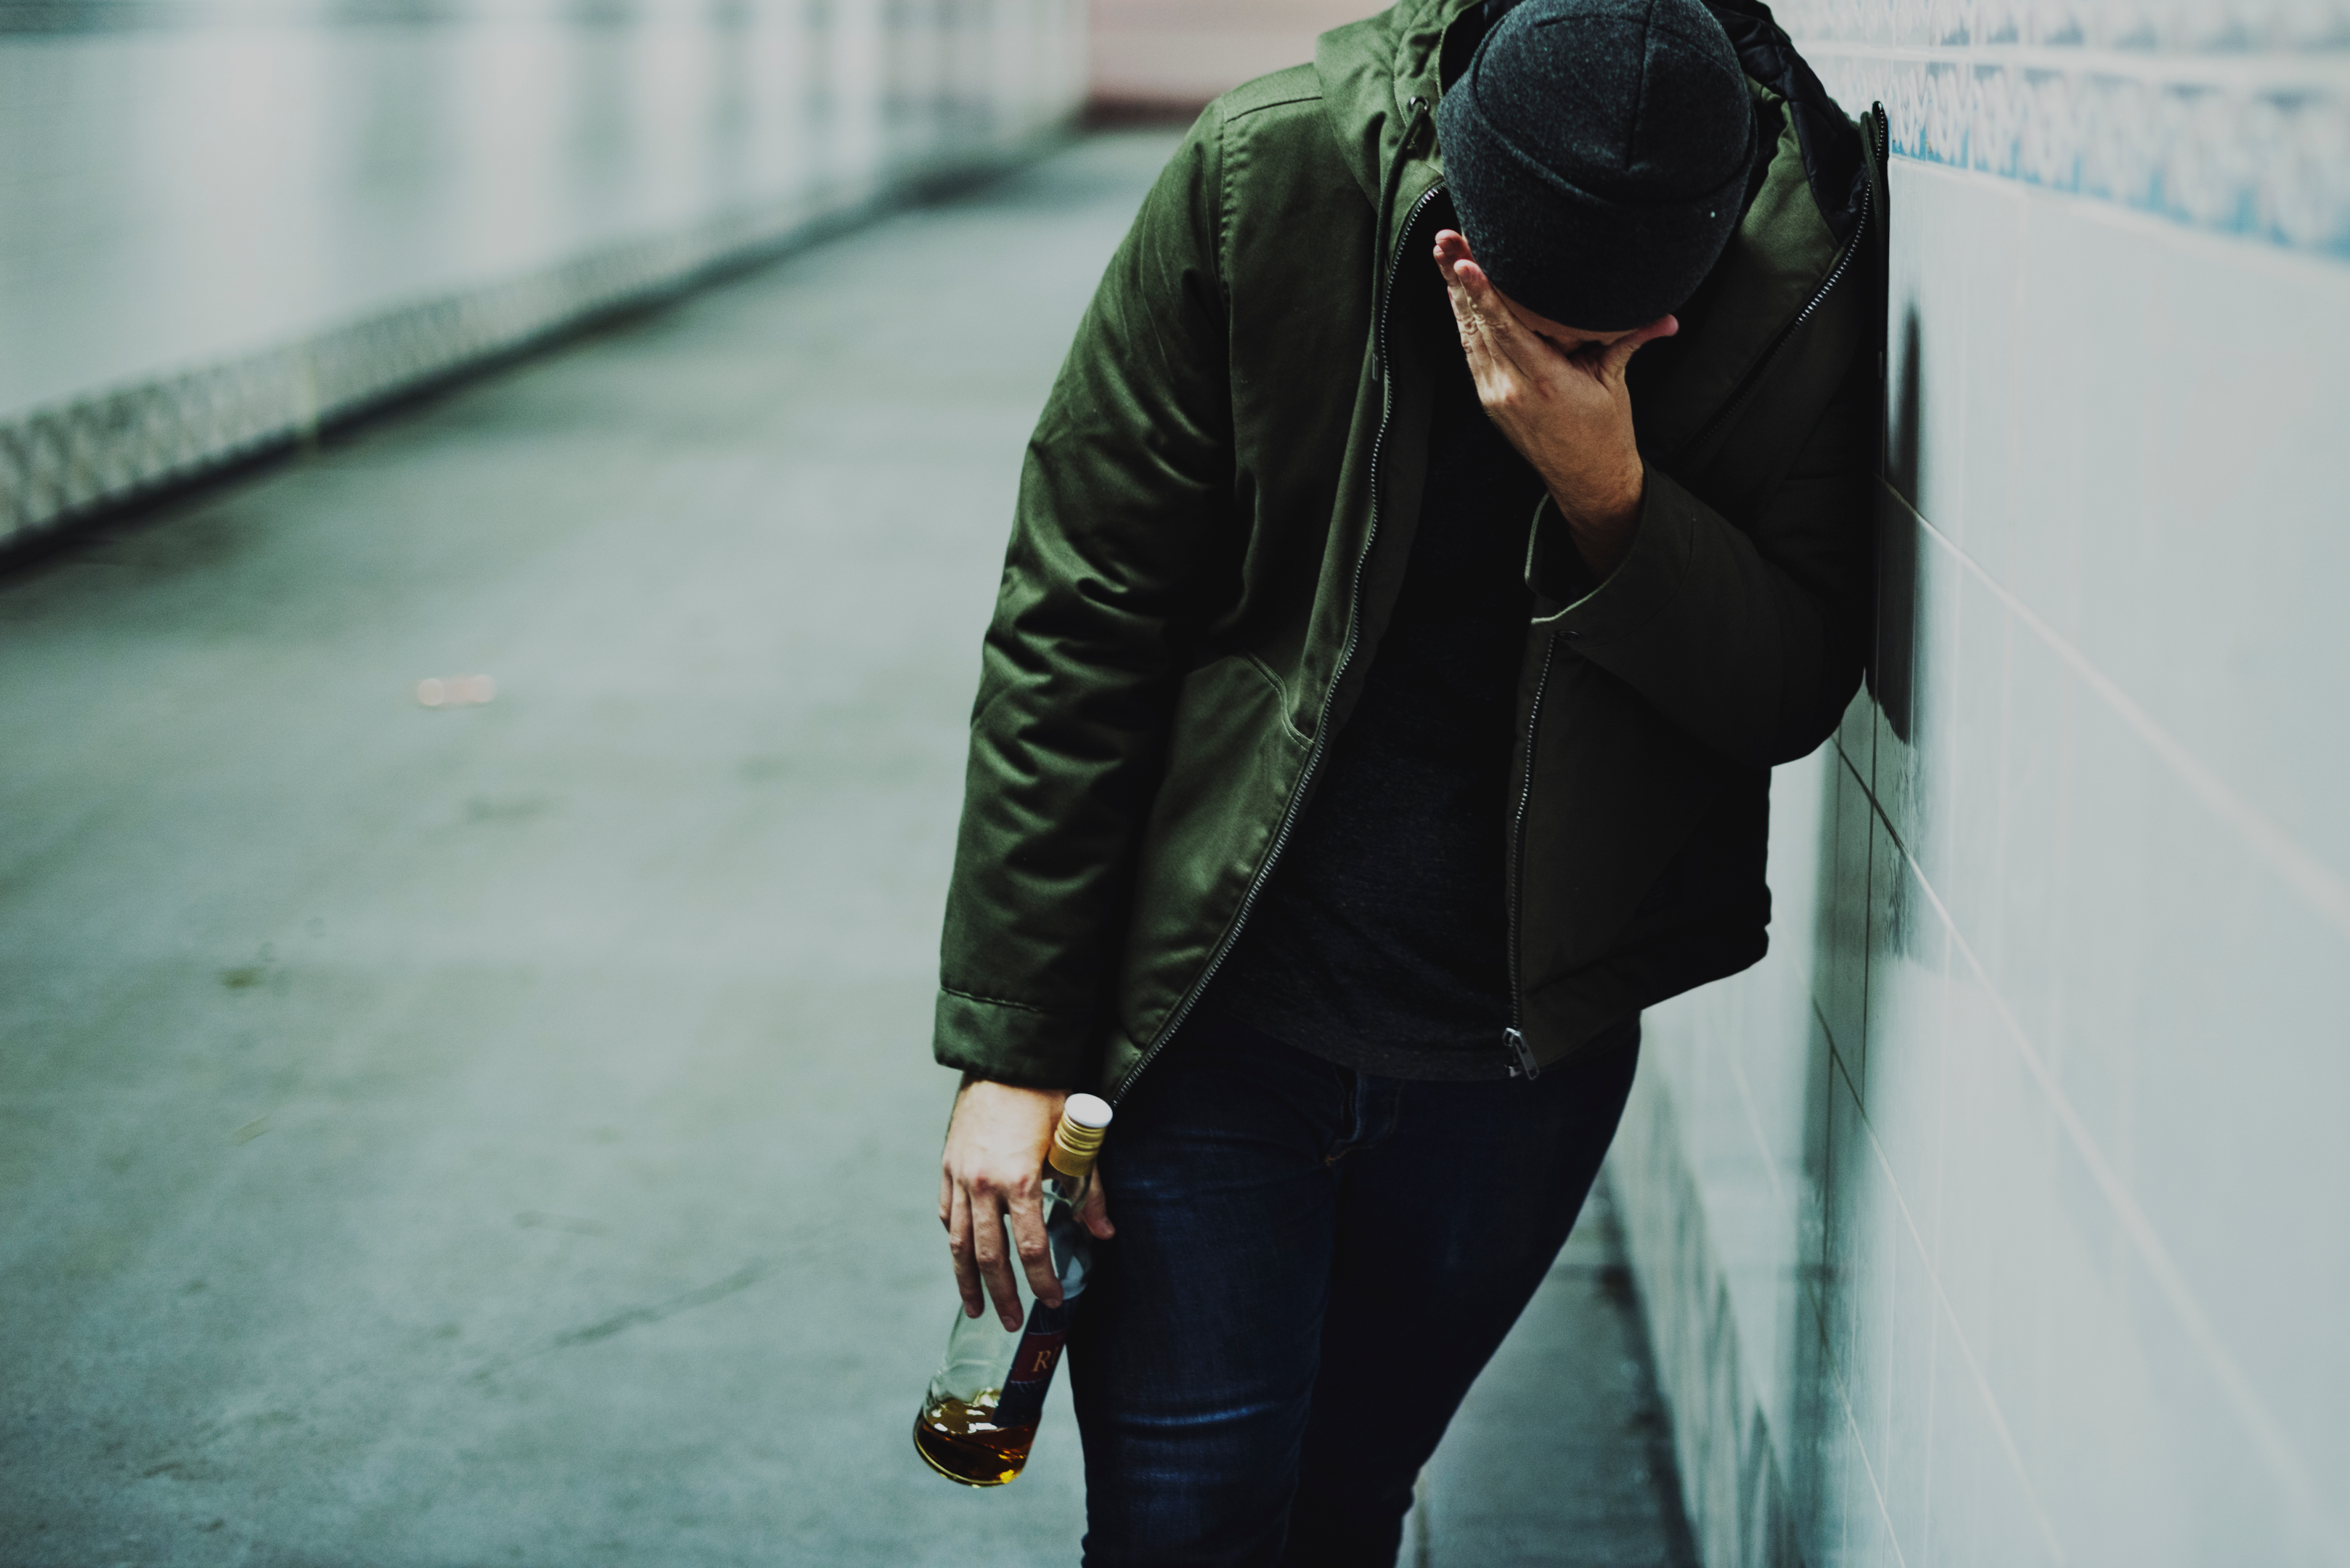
1379,75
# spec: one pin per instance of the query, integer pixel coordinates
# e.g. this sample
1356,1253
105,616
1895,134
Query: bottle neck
1069,1189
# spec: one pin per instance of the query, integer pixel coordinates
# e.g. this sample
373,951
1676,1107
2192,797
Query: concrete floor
505,1134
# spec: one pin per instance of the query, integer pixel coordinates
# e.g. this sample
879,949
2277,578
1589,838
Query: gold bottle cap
1084,1119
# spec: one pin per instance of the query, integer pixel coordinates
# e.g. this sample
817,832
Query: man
1454,503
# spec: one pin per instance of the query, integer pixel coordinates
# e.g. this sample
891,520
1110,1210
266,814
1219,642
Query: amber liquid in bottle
962,1442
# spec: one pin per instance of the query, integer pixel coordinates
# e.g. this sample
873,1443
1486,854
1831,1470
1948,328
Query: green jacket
1212,523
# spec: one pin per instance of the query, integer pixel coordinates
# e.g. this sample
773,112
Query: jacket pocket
1233,761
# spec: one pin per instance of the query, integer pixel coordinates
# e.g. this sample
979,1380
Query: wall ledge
70,461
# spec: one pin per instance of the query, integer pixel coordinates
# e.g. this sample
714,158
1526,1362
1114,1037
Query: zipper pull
1526,1066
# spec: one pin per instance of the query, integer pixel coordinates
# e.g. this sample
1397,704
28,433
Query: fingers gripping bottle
981,1413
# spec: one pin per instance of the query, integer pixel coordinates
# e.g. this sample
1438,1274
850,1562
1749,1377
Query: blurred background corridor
498,499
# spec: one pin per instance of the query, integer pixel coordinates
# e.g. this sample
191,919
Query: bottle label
1022,1404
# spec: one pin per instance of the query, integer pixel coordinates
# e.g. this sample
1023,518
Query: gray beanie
1597,151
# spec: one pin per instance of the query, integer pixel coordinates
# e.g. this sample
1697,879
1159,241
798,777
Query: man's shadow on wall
1893,660
1857,914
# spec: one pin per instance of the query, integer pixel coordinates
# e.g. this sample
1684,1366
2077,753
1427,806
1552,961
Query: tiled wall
224,221
2001,1217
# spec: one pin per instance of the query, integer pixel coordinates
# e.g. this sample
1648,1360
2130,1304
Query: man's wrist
1603,536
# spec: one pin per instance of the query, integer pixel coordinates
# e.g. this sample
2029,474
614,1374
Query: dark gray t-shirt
1379,941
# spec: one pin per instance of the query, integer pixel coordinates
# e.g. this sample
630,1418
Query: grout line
1958,1335
2325,891
1876,1486
1762,1143
1844,1406
2234,1386
1933,1415
1934,1262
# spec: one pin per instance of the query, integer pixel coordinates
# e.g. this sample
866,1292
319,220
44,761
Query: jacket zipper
1337,675
1786,333
1513,1038
1523,1064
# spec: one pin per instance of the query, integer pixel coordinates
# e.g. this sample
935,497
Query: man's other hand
993,1167
1557,392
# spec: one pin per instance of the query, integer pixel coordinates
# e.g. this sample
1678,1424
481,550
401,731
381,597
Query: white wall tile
2149,478
2196,1041
1856,1282
2118,904
2092,1435
1839,985
1909,952
1973,679
1982,1510
1921,590
2067,363
2035,812
1802,807
1905,1474
1868,1536
1999,1143
1983,268
2226,1500
2235,1081
2209,601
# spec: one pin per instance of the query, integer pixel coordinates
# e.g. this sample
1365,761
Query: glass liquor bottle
981,1413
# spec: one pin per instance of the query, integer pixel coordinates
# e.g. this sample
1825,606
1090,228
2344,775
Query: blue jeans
1312,1265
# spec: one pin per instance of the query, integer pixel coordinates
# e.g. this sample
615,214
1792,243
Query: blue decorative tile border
2230,118
72,458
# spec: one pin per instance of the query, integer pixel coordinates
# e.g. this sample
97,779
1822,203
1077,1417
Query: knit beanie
1596,151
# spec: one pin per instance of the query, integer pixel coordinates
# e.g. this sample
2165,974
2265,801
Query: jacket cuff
1647,580
1009,1042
